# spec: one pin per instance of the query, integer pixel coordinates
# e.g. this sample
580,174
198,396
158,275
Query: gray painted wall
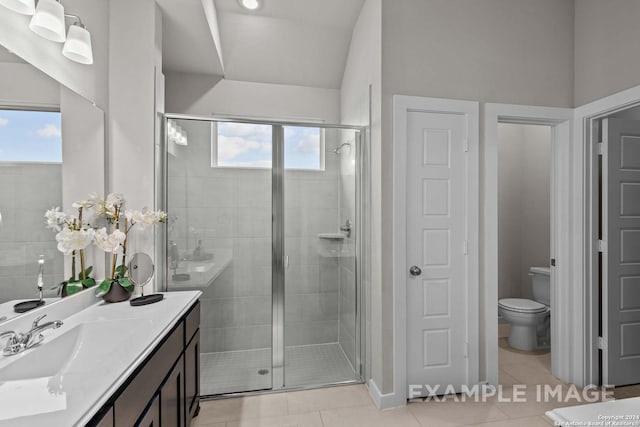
508,51
524,205
606,36
364,70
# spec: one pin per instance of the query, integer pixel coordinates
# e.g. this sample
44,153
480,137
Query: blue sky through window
249,145
30,136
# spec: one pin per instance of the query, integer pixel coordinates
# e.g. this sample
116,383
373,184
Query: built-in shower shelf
331,236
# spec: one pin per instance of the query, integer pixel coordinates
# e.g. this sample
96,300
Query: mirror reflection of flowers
122,221
73,237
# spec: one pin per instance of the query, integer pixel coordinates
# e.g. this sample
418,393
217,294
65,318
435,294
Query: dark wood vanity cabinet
165,389
192,377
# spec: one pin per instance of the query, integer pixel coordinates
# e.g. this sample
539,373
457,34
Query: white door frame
402,105
585,285
560,120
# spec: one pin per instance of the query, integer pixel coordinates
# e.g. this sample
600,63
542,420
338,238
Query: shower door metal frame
278,260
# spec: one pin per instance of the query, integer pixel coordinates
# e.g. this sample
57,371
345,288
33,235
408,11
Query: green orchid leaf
89,282
74,287
104,287
88,270
59,288
121,270
126,283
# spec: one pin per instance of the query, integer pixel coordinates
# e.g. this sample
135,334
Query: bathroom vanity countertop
6,308
202,273
99,348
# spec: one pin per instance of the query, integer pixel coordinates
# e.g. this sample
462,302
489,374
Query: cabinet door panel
192,377
151,417
172,397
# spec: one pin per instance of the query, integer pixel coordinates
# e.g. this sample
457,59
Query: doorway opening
557,122
524,252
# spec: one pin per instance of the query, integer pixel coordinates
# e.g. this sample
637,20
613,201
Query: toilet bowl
529,319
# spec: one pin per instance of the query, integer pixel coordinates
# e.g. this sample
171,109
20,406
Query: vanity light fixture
176,134
48,21
250,4
25,7
78,45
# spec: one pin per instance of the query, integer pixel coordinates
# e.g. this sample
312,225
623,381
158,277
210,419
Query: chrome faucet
40,282
17,343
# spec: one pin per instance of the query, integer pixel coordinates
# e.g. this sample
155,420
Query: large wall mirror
52,152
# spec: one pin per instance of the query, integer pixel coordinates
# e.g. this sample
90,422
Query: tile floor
237,371
351,406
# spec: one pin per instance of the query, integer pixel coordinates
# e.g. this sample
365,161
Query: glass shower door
220,242
319,256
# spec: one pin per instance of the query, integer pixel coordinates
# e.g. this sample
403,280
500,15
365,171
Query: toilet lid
522,305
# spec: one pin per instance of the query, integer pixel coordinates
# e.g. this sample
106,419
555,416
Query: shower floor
237,371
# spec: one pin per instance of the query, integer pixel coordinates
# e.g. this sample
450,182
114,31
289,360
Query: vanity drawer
134,399
192,322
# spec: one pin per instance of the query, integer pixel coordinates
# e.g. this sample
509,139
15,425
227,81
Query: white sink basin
78,349
45,360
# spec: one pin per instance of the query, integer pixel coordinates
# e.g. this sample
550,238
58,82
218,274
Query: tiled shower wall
27,190
231,208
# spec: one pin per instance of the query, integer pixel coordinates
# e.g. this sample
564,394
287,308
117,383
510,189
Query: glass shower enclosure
264,219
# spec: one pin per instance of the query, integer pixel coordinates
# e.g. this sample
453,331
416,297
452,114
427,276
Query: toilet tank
541,284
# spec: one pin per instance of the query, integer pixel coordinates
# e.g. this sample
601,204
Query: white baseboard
383,401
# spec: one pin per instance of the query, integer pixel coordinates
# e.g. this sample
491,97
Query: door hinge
601,148
602,343
465,247
601,246
466,145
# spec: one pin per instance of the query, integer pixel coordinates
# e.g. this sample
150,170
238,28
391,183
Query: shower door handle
286,262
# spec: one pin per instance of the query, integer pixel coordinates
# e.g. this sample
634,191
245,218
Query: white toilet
530,320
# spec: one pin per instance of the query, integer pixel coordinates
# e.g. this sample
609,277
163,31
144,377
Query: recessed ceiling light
250,4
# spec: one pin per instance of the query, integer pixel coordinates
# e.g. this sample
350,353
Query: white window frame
214,149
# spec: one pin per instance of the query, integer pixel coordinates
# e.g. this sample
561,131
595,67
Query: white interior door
621,258
436,271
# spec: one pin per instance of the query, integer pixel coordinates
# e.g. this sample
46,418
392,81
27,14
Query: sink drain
263,371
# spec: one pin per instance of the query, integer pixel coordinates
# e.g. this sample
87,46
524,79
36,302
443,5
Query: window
248,145
30,136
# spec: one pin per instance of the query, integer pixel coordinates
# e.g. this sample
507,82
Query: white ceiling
187,44
295,42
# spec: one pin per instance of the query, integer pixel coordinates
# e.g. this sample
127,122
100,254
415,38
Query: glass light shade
78,45
48,21
26,7
250,4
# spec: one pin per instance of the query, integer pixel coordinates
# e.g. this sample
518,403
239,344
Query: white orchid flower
114,200
73,240
84,204
145,217
134,217
55,218
109,242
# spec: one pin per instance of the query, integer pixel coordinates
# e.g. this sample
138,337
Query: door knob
415,271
